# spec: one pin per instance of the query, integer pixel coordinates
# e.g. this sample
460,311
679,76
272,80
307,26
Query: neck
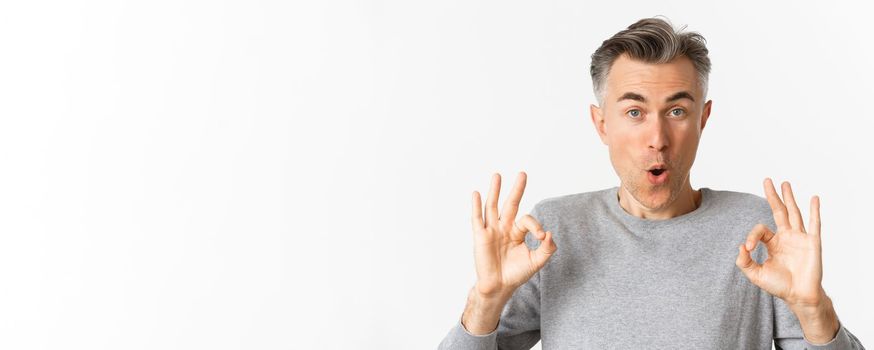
687,201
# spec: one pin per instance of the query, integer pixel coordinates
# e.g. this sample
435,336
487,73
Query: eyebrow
639,97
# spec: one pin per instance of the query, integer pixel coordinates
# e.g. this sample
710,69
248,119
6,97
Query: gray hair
652,40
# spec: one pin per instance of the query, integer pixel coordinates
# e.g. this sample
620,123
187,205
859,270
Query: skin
659,124
640,134
793,270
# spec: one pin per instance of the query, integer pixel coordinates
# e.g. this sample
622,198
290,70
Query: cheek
623,159
687,135
628,146
680,130
687,147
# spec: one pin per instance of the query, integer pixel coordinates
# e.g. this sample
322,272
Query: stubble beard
637,184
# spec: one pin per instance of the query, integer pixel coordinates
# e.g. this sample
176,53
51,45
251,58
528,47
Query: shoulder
740,204
727,198
555,213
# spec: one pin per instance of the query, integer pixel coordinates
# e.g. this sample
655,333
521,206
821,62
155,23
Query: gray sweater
622,282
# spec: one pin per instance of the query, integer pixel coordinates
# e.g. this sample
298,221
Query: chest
632,292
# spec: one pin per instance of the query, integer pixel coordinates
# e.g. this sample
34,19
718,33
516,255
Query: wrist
482,313
818,320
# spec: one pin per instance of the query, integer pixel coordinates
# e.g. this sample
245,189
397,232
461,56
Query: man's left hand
793,269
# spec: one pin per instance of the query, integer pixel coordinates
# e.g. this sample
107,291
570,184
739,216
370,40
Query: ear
598,122
706,114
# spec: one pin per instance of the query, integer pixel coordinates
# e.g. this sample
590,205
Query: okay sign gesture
503,261
793,270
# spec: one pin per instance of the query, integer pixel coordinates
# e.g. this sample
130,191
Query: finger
524,225
747,265
492,200
511,206
777,206
546,249
759,233
476,216
815,223
794,213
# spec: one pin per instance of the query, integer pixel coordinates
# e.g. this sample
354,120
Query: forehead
628,74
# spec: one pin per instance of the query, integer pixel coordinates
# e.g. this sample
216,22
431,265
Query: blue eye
634,113
674,112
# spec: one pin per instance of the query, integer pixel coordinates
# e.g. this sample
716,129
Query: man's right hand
503,261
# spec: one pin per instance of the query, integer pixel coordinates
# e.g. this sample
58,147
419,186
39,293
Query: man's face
652,116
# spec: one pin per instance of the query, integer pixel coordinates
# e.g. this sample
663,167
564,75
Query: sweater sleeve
519,325
788,334
518,328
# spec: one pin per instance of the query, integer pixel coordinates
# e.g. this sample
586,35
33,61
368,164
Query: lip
660,179
657,166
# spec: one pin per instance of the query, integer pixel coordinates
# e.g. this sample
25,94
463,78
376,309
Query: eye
678,112
634,113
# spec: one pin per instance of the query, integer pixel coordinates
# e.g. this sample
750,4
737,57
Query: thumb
747,265
542,254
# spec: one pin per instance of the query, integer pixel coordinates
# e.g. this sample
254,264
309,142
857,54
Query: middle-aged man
651,263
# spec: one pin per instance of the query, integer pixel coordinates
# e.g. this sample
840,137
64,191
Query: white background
276,175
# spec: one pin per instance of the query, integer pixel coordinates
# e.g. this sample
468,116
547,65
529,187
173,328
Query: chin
660,202
653,197
659,199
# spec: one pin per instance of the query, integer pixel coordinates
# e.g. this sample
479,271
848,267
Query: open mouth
658,174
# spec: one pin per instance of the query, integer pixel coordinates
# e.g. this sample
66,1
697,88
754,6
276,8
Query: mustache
668,162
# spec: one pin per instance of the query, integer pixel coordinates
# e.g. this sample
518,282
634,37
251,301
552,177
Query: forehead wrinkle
650,90
629,75
646,84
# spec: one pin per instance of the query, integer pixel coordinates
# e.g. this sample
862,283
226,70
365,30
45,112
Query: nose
657,134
